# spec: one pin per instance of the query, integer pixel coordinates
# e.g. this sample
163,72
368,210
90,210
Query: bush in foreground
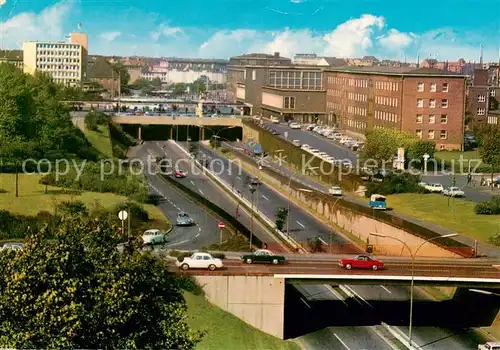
396,183
99,298
491,207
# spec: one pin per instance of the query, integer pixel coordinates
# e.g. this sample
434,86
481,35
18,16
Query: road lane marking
239,178
300,224
335,293
322,241
353,292
201,192
386,289
265,197
341,341
305,303
177,243
192,182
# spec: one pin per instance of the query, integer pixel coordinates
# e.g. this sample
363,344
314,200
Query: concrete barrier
257,300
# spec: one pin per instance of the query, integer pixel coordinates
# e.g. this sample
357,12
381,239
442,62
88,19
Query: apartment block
422,102
483,95
65,61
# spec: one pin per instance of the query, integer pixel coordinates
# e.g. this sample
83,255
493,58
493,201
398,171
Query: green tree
79,291
179,89
281,215
123,73
490,150
417,149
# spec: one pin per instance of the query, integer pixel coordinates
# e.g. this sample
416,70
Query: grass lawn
32,198
457,216
101,140
225,331
455,155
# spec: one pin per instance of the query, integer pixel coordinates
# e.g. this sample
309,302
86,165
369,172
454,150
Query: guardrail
243,201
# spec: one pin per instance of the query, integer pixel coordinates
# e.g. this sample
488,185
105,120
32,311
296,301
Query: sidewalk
483,249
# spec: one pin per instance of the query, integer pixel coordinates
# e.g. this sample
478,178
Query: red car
179,174
361,262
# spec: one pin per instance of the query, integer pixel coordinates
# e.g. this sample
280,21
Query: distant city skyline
221,29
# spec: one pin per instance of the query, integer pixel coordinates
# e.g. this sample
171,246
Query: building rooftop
262,56
387,70
11,54
196,60
99,67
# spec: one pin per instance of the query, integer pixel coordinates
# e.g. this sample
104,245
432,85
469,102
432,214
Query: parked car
489,346
310,127
153,236
183,219
338,136
344,140
454,192
305,146
262,256
179,174
252,180
377,201
274,132
435,188
13,246
361,262
275,120
294,126
335,191
200,261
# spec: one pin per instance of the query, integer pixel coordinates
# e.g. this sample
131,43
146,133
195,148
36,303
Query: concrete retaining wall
357,224
257,300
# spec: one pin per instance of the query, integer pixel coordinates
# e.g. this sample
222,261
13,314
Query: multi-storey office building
65,61
423,102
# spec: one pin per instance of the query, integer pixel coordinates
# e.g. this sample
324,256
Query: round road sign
221,225
122,215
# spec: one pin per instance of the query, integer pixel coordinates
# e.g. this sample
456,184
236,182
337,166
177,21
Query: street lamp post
252,190
216,136
413,257
290,199
331,231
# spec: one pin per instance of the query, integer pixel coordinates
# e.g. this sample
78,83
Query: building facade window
432,103
420,103
493,120
444,103
493,93
443,135
433,87
481,111
254,74
430,134
420,87
446,87
444,119
481,98
418,133
420,119
432,119
289,102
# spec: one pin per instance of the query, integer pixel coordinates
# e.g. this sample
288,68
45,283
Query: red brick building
423,102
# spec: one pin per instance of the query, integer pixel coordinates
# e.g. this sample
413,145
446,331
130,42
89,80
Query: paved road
199,182
483,249
302,225
174,202
337,337
422,269
339,152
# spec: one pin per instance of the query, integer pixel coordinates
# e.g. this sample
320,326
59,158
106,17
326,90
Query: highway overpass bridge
257,294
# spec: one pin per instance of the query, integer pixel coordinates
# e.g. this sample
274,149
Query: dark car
361,262
253,180
262,256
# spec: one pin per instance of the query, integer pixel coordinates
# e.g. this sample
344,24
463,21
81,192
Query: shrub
495,239
71,208
189,284
396,183
315,245
137,211
491,207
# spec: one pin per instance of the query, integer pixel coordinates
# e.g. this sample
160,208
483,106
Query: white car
335,191
434,188
294,126
153,236
454,192
296,143
200,261
305,146
338,136
489,346
344,140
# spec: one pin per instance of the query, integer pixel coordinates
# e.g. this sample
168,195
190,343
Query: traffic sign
221,225
122,215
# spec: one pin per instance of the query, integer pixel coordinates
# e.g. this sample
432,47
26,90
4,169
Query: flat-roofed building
65,61
423,102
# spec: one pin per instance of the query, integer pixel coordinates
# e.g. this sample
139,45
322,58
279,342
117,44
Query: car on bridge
200,260
361,262
263,256
183,219
294,126
335,191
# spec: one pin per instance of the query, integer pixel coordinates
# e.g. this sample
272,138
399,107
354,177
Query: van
489,346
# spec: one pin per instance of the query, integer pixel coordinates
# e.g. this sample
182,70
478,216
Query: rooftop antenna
481,55
418,60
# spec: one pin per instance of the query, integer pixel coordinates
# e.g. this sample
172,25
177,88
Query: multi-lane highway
197,181
205,232
302,225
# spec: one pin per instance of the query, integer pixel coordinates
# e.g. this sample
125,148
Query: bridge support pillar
202,134
257,300
171,132
139,133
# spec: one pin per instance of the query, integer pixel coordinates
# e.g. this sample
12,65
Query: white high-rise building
65,61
